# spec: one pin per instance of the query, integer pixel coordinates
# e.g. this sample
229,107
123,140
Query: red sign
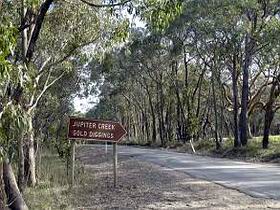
88,129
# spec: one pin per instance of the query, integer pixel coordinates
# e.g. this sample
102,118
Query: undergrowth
53,191
252,152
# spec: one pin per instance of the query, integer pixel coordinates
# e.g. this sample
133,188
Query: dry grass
140,186
252,152
52,192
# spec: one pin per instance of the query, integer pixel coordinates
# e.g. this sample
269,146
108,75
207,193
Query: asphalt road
258,180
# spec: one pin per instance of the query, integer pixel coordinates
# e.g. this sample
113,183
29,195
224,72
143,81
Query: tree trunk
147,128
2,193
179,109
14,198
186,101
39,158
269,112
21,181
142,127
154,131
218,145
24,38
164,138
160,100
243,120
31,156
249,131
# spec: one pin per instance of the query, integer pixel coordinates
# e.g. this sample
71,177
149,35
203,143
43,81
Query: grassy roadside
253,151
53,190
141,185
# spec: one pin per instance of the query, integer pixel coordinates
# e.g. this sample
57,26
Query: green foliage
67,29
12,118
13,122
160,13
51,117
166,78
106,109
8,38
121,32
252,152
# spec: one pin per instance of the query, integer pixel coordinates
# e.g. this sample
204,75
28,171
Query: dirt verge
147,186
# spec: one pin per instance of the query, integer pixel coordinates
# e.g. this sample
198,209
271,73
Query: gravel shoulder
144,185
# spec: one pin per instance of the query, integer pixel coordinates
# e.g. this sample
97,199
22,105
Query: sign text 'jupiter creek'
87,129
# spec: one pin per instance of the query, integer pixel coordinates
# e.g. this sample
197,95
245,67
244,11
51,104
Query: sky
85,103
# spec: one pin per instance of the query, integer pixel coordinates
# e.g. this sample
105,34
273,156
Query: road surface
258,180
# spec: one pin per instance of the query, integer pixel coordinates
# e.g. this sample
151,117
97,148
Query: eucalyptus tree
269,102
44,66
271,106
201,40
134,73
10,114
232,24
209,69
39,44
51,117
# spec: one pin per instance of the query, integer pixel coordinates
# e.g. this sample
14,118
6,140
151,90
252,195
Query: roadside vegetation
140,186
54,190
253,152
211,74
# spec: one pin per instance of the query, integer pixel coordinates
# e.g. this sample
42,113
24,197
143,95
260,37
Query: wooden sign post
115,154
98,130
73,154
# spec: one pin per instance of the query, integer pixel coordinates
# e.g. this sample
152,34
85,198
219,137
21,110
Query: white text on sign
101,126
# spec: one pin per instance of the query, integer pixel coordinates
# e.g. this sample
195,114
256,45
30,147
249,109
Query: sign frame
114,143
93,139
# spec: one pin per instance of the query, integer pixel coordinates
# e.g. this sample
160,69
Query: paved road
258,180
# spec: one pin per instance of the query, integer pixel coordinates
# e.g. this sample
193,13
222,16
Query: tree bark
2,193
146,123
160,99
249,131
31,170
21,181
181,121
154,132
243,120
37,28
15,200
218,145
24,41
269,112
39,158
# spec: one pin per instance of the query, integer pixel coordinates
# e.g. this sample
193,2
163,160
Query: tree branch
46,87
44,65
22,27
105,5
36,82
70,53
38,25
277,108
